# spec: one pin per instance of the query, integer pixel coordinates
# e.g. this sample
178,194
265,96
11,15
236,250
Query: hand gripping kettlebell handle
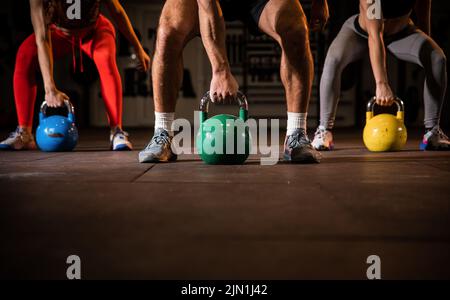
373,102
242,101
204,103
398,102
67,103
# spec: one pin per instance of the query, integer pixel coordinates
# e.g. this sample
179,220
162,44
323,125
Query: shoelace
320,133
121,134
159,140
298,139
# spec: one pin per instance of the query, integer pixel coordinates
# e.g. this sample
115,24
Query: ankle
296,121
325,128
164,121
26,129
114,129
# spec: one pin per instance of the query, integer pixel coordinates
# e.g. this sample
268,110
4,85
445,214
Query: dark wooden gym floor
191,221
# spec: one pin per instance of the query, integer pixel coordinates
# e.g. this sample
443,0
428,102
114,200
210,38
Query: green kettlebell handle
67,103
204,107
371,106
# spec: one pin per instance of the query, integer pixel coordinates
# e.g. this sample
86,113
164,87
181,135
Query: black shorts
247,11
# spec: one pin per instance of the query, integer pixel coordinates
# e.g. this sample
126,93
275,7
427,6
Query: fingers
215,97
144,65
385,101
223,97
57,100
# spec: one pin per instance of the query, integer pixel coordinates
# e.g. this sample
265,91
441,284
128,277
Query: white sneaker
119,141
18,140
323,139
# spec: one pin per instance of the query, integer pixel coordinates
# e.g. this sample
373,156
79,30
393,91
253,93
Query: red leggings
99,45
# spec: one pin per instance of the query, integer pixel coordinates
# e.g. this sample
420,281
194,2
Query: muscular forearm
43,42
378,59
45,57
125,26
212,28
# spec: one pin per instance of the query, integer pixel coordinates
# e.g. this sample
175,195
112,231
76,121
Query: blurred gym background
254,60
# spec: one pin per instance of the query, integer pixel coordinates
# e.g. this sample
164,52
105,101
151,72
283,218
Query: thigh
28,52
416,48
348,46
279,16
180,16
102,38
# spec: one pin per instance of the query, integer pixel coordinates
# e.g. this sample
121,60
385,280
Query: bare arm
212,29
53,96
126,28
377,52
423,12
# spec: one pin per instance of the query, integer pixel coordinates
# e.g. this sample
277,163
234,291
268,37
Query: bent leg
102,50
285,21
25,85
346,48
420,49
177,26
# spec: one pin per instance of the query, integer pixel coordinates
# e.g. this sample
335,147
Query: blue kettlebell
57,133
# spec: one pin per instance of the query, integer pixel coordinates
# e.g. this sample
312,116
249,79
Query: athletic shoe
323,139
119,141
159,149
18,140
435,140
298,148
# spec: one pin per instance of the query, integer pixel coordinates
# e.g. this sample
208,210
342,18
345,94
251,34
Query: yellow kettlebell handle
371,105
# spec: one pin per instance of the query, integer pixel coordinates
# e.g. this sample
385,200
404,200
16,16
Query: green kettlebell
223,139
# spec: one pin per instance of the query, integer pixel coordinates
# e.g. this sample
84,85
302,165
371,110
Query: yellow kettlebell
385,132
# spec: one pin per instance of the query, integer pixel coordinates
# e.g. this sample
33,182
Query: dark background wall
15,26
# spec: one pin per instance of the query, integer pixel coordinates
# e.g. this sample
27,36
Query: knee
333,63
27,57
436,66
293,36
439,59
170,36
105,56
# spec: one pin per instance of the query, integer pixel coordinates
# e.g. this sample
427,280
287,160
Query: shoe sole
9,148
155,160
306,160
325,149
426,148
122,148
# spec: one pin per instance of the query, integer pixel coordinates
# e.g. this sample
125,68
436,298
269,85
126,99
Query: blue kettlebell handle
67,103
206,100
373,102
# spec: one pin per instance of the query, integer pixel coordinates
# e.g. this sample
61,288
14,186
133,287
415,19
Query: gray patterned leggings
416,47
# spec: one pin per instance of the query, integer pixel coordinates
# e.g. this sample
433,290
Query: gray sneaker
159,149
298,149
435,140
